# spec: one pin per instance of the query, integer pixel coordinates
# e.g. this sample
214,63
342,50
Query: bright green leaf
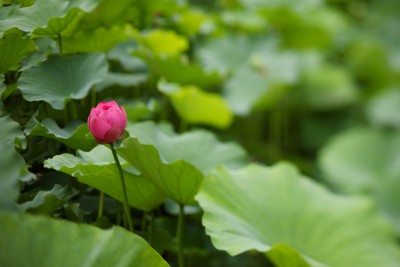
318,227
97,168
73,135
48,242
60,79
13,48
192,22
196,106
190,146
178,180
176,164
284,256
165,42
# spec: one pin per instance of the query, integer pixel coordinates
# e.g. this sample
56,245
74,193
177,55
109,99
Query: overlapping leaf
276,210
48,242
176,164
97,168
45,17
73,135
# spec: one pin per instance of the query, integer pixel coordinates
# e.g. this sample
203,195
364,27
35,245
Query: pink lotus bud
107,122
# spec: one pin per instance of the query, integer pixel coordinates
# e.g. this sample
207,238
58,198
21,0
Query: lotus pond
239,133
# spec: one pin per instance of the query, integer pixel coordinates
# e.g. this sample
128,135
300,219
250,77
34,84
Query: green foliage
60,79
214,92
96,168
72,135
11,162
176,163
365,161
58,240
13,48
196,106
301,221
45,17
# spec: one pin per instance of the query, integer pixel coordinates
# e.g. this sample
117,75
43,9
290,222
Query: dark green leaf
60,79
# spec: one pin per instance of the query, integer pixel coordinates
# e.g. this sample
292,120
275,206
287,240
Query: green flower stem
125,195
101,205
60,44
179,233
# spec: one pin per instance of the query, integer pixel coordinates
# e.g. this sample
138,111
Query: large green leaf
97,168
44,241
260,208
44,17
73,135
190,146
13,48
196,106
366,161
60,79
176,164
12,164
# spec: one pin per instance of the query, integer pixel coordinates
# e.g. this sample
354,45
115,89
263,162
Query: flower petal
113,135
99,128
